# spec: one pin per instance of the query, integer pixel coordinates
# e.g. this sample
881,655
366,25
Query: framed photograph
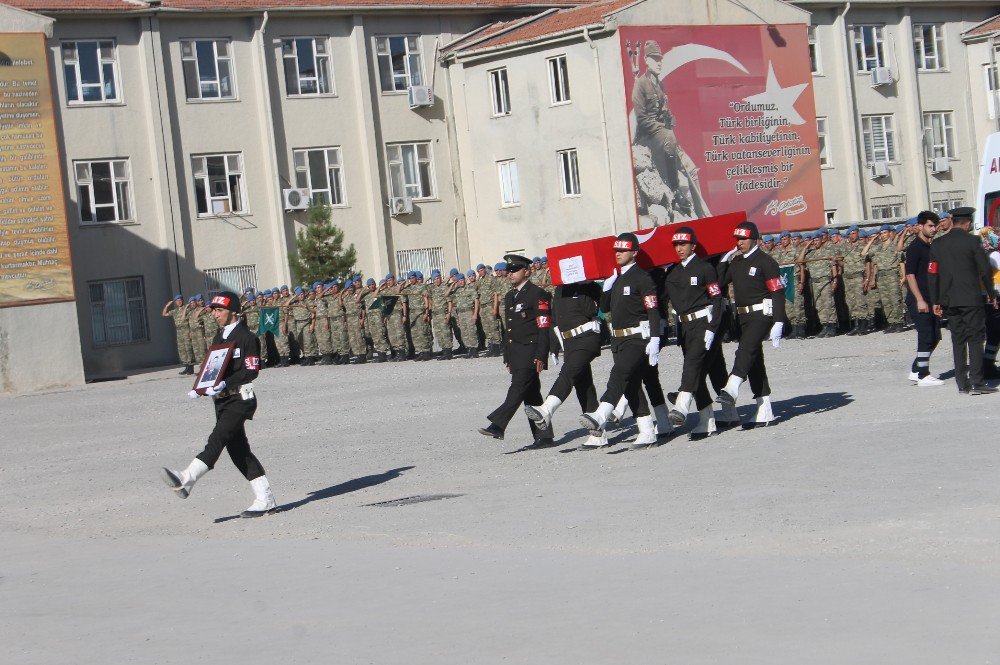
213,367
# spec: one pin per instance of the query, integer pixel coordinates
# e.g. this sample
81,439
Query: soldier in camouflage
855,280
441,308
301,321
175,310
416,313
466,309
338,323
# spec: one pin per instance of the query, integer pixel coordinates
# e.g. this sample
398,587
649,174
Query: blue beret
899,228
536,260
784,234
885,227
315,284
500,266
545,259
412,273
179,297
420,275
480,266
853,228
461,277
266,293
284,287
390,276
250,297
435,273
198,296
249,289
191,299
453,272
471,273
298,290
835,232
371,280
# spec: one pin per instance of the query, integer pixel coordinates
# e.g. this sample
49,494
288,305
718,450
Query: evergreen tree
320,252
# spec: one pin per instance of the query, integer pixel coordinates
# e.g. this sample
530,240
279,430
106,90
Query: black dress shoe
543,443
965,390
982,389
492,430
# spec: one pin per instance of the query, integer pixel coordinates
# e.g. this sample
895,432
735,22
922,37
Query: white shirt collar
626,268
688,260
752,250
229,329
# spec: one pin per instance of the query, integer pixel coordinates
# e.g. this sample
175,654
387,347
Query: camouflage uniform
284,330
418,328
210,325
355,333
465,298
338,325
488,287
853,280
184,349
887,291
822,282
394,326
300,315
440,297
375,323
324,340
795,311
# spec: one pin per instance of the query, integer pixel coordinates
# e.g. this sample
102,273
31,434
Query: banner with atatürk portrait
722,119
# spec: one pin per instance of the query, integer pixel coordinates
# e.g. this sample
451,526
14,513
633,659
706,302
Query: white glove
559,337
775,334
709,338
729,255
609,282
212,391
653,351
553,360
194,394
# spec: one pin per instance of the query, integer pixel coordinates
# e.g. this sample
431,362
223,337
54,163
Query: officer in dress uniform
693,288
957,277
760,303
235,403
578,331
528,315
630,297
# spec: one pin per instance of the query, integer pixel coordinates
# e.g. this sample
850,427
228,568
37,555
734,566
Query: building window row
870,47
569,178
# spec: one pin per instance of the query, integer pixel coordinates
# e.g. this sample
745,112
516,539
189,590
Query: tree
319,248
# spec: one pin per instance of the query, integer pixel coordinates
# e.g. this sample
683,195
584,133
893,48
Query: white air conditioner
420,95
881,76
879,169
940,165
400,205
295,199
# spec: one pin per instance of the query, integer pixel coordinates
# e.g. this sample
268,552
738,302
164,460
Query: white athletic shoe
914,377
929,380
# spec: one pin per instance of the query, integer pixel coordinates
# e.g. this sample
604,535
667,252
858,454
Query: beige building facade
185,123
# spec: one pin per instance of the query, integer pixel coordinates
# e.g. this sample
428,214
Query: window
234,278
888,207
928,46
307,67
569,174
939,135
118,312
944,201
869,47
411,172
208,69
91,70
831,216
398,62
320,171
558,80
499,92
510,190
419,260
992,85
814,61
104,191
824,152
880,139
218,184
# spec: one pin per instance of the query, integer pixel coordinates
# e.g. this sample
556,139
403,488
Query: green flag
384,303
268,321
788,277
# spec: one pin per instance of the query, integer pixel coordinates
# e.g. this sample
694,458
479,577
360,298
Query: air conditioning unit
940,165
420,95
881,76
879,169
295,199
400,205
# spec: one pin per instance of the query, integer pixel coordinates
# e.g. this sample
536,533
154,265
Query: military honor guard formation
924,275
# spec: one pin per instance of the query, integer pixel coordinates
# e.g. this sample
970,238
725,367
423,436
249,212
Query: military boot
188,369
445,355
283,361
867,325
855,329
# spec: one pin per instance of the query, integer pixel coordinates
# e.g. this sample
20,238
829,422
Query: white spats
647,432
542,415
764,413
596,441
263,502
595,421
183,482
731,391
663,425
706,423
619,411
685,402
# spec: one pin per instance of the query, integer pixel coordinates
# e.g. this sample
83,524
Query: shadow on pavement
789,408
348,487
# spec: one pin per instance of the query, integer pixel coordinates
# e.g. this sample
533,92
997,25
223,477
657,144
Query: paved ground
864,528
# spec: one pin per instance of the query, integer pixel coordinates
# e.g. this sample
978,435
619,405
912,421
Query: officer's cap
516,262
452,272
500,266
179,297
471,273
225,300
481,266
746,231
651,50
626,242
964,212
684,234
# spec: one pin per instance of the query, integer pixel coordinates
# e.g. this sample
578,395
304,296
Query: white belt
703,313
625,332
762,306
579,330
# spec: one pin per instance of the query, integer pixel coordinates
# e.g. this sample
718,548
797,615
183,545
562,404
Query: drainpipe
855,119
604,128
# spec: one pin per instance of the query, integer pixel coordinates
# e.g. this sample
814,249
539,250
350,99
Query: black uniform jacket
527,317
632,300
245,364
574,305
756,277
959,272
693,287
